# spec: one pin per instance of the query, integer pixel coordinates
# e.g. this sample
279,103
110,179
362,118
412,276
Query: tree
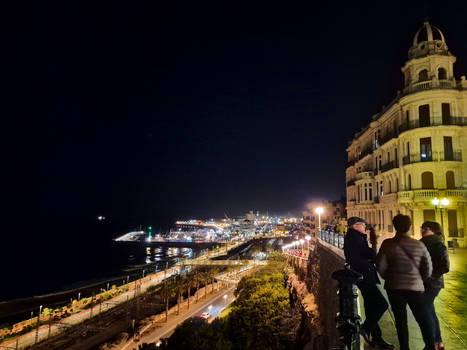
168,291
197,333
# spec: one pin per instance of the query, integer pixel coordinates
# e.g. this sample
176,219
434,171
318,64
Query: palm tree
169,289
211,274
177,286
189,282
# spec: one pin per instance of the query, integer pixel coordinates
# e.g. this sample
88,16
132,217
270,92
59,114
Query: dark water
41,258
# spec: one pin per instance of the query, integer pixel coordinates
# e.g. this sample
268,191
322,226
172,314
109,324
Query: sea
76,253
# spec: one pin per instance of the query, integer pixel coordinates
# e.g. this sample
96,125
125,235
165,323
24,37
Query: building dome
428,40
428,33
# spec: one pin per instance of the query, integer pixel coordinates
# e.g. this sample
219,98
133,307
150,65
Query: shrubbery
254,321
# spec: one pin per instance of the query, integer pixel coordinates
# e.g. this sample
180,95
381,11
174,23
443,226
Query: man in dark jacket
361,258
433,240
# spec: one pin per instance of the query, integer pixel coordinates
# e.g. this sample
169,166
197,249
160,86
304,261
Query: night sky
151,112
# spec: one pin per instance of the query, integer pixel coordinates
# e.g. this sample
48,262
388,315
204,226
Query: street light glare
435,201
308,238
319,210
445,201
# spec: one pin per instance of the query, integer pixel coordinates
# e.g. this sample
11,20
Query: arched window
409,182
450,182
427,180
389,186
423,75
442,75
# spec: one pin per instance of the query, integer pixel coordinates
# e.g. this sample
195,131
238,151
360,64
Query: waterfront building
333,214
412,157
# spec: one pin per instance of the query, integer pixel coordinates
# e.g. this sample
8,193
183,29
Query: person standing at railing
361,258
432,237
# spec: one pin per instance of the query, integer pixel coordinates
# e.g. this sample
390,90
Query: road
214,304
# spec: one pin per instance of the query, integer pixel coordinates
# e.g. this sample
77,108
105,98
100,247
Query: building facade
333,215
412,157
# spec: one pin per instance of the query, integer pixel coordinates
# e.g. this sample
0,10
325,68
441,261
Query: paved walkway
451,308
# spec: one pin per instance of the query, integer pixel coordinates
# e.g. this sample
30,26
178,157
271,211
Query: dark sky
152,111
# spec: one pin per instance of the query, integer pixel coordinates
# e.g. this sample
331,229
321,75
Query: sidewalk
451,308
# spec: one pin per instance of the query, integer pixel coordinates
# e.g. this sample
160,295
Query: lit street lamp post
444,204
319,211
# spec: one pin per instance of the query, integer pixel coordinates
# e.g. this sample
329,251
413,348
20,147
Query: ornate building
412,157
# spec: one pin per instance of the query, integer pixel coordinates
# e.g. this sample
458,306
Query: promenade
451,308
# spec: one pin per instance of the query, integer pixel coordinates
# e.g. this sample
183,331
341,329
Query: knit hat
353,220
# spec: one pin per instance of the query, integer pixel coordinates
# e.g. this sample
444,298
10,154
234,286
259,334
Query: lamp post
319,211
444,203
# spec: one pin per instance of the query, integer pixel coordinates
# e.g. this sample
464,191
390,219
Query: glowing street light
319,211
444,204
308,237
301,242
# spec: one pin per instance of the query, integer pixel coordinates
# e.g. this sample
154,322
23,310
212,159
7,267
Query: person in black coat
433,240
361,258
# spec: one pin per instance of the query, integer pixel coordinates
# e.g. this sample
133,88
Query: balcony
388,198
365,174
388,166
427,195
387,137
430,84
415,124
455,156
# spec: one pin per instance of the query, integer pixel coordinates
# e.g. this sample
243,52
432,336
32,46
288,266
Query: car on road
205,315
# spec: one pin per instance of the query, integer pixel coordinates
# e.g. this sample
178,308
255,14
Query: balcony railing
428,194
414,124
431,84
388,166
364,174
455,156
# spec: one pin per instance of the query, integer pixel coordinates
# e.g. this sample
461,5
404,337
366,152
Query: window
452,223
424,115
370,192
429,215
448,152
397,185
407,118
366,192
442,74
446,113
425,150
427,180
423,75
450,181
409,182
396,158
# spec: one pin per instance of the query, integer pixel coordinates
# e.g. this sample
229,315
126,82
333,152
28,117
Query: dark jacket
440,259
404,263
360,256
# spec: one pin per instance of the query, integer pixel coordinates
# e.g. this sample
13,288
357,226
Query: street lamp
444,203
319,211
301,242
308,237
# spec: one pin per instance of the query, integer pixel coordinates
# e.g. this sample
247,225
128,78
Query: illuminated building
415,149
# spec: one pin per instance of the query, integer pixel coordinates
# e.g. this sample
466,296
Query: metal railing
448,120
389,165
455,156
333,238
